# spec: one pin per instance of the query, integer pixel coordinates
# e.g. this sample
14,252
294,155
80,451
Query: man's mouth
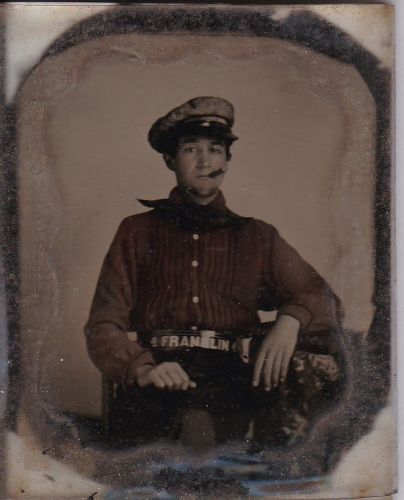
213,174
216,173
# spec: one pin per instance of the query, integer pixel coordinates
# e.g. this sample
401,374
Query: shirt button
195,236
195,300
194,263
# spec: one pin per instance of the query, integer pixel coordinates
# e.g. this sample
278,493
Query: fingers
276,369
167,379
285,365
170,376
147,375
268,371
176,379
186,382
182,377
273,365
155,379
259,363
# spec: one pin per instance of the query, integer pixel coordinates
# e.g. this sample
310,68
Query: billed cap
205,116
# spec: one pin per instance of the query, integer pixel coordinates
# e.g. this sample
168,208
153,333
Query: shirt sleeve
299,290
109,347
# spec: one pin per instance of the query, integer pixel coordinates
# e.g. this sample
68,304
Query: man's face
195,160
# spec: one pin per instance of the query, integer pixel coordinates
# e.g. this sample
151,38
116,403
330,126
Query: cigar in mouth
216,173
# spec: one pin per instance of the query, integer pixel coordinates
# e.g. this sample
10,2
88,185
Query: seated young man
189,277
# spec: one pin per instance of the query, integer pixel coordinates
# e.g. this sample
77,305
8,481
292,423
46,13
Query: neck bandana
191,216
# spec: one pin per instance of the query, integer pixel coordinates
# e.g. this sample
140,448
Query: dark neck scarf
190,216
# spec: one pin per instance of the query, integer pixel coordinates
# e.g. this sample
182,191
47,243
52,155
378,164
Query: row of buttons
195,263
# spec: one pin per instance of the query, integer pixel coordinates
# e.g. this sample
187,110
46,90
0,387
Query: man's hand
164,376
275,352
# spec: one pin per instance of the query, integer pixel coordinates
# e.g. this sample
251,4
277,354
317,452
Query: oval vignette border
304,28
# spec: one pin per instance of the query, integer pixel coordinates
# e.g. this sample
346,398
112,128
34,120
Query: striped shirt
162,274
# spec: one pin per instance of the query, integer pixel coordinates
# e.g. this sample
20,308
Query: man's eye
189,149
217,149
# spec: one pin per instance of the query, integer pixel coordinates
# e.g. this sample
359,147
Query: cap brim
204,129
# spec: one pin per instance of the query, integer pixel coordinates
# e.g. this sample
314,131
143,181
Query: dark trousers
281,416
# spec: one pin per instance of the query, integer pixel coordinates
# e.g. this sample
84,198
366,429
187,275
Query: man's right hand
166,375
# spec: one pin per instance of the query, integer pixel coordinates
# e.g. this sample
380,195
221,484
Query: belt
198,339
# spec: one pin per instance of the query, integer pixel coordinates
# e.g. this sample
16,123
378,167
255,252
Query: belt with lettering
198,339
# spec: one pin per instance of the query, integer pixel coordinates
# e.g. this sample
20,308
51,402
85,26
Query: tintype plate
311,89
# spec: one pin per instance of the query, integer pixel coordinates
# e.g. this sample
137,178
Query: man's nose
204,159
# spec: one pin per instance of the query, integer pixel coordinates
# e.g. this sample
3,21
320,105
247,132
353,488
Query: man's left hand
275,352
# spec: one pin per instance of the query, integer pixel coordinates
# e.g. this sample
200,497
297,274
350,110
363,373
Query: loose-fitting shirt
162,274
